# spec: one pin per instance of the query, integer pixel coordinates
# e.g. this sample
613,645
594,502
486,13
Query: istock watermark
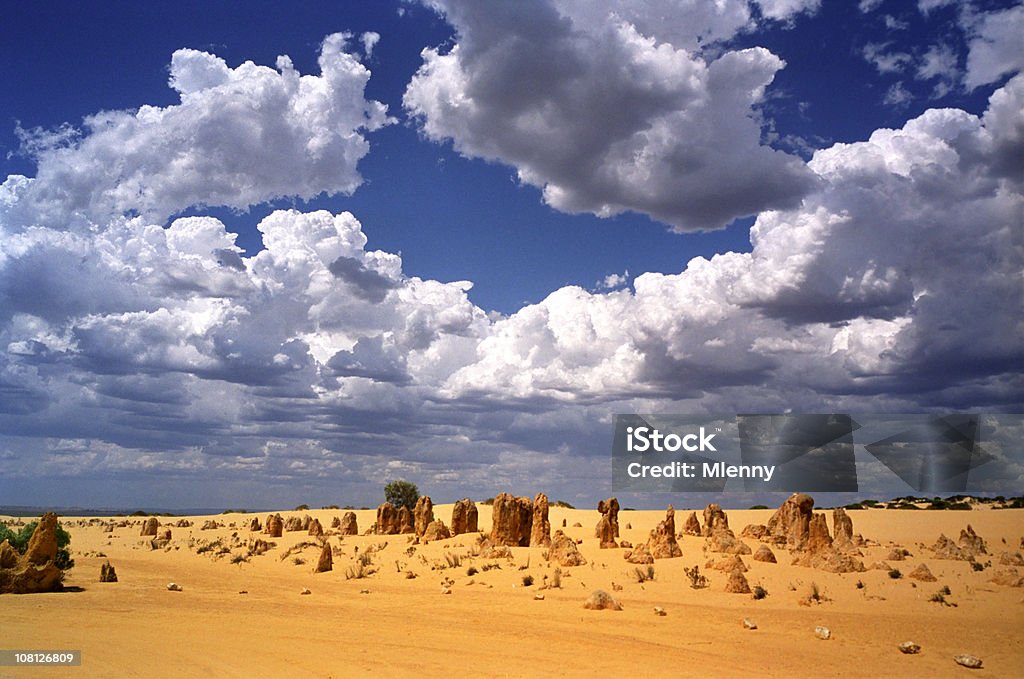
643,439
831,452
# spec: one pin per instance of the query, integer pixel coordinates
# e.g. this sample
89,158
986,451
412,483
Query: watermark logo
885,454
644,439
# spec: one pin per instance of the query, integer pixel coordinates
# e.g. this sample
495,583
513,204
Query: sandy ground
492,626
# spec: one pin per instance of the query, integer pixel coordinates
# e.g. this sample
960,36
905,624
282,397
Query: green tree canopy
402,494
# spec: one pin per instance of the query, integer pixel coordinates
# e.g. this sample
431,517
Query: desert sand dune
492,625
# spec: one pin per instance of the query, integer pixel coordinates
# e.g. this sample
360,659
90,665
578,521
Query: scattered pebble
538,597
305,590
658,610
243,591
173,587
823,632
445,589
364,591
909,647
968,660
749,624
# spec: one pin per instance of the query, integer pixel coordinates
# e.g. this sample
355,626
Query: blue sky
549,153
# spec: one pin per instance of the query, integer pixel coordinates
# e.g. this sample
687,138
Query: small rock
243,591
658,610
445,589
107,573
968,660
749,624
823,632
538,596
305,590
600,600
173,587
765,554
909,647
364,591
737,583
923,574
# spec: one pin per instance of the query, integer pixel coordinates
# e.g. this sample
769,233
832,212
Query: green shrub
20,541
697,579
641,575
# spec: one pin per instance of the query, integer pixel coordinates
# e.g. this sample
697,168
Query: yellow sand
492,626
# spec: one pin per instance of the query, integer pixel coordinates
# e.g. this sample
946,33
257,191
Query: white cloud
787,10
928,6
940,61
239,137
939,64
685,24
884,60
897,95
894,24
604,118
994,50
369,40
996,47
894,283
613,280
856,291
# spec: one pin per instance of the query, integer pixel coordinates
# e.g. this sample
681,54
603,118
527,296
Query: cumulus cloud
132,346
613,281
686,24
167,346
605,118
853,292
239,136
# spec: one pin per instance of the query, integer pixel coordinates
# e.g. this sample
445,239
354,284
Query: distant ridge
29,510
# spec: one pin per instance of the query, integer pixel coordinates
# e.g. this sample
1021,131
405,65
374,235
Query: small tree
402,494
